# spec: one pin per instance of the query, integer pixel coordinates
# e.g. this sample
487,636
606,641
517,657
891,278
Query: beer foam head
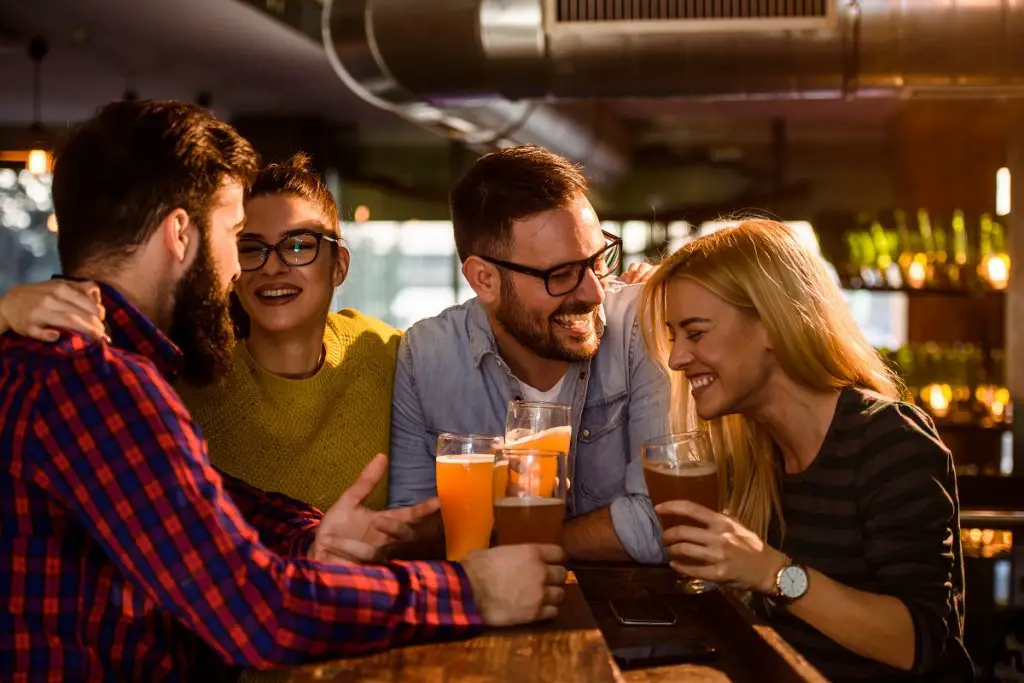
465,459
683,469
526,501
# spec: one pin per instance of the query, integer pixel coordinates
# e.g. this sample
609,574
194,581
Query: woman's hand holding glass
726,552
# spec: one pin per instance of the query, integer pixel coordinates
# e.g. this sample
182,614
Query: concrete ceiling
248,61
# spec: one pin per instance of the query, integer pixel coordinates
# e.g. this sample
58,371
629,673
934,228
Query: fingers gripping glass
564,279
299,249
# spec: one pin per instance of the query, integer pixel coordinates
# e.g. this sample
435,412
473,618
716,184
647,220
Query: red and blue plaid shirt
120,552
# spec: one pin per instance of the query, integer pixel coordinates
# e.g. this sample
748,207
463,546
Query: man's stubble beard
536,332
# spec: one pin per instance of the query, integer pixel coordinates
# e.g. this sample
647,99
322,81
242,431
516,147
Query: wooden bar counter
576,647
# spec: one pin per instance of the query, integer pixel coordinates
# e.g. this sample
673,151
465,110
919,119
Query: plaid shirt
120,552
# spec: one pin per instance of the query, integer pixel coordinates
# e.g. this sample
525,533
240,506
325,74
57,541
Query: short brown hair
507,186
122,171
296,176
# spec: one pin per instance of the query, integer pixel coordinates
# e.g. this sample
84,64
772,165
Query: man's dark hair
297,177
507,186
121,172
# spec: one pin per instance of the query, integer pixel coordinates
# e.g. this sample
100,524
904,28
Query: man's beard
537,333
201,322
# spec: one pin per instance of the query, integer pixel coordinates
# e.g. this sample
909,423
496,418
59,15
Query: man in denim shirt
545,325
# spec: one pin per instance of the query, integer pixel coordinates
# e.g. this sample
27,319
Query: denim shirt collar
481,337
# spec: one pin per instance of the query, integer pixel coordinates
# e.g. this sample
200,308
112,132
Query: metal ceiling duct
441,54
367,39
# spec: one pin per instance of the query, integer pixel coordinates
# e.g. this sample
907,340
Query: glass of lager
682,467
530,487
465,487
544,426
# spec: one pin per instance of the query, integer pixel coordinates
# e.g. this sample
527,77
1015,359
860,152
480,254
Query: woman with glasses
842,503
308,402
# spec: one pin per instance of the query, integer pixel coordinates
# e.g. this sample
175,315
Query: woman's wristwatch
791,583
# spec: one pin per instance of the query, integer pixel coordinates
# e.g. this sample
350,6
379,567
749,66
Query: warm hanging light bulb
38,162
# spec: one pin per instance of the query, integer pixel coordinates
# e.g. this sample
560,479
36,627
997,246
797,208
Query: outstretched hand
351,532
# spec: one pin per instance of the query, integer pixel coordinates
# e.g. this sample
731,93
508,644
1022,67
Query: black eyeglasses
297,249
566,278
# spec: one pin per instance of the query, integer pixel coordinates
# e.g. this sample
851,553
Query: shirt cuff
442,598
637,527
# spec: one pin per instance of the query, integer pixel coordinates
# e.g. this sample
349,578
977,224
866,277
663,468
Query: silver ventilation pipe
366,39
436,52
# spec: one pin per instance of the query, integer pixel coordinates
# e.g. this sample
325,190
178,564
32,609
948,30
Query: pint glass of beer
530,506
531,424
465,487
545,426
682,467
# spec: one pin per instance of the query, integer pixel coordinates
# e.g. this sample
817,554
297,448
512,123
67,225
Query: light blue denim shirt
450,378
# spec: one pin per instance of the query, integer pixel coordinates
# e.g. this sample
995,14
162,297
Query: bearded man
548,323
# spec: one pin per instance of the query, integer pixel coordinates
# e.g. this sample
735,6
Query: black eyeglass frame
614,242
265,249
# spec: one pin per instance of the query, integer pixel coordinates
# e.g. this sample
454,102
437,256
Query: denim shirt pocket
602,449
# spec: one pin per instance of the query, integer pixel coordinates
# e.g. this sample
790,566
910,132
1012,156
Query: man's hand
42,309
517,584
350,532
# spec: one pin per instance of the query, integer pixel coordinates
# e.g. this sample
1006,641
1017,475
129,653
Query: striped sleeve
119,450
907,500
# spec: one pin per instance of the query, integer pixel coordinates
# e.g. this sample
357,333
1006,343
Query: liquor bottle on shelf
910,257
940,267
885,244
993,261
958,264
929,257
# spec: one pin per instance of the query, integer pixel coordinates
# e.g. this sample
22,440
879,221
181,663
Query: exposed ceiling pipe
364,39
438,52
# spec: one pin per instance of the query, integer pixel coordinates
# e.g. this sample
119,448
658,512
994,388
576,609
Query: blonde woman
843,512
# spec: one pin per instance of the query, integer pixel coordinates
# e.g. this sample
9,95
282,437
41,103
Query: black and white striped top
878,511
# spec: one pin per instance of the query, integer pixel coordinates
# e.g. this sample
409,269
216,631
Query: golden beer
529,520
529,503
697,482
466,490
555,439
682,467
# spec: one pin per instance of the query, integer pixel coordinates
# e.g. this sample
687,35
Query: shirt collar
481,337
131,331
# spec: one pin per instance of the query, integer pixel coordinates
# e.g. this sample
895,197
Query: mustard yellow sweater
307,438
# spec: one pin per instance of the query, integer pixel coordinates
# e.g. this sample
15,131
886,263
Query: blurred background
888,133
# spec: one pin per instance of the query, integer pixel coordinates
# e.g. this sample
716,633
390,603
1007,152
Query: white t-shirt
538,396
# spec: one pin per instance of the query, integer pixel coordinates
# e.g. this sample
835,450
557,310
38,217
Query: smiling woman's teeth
272,293
702,381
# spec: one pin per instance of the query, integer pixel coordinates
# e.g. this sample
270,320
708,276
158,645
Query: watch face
793,582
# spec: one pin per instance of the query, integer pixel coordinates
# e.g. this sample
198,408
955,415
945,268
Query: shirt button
586,432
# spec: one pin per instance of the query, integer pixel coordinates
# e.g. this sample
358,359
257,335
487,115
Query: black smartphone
643,612
644,656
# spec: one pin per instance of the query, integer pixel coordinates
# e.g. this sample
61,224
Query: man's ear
175,235
484,278
340,270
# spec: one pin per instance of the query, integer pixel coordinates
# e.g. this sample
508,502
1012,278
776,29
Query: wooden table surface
576,647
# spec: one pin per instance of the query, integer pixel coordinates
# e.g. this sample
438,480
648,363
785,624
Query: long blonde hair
761,267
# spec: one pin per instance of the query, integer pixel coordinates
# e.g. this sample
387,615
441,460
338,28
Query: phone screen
643,612
662,655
